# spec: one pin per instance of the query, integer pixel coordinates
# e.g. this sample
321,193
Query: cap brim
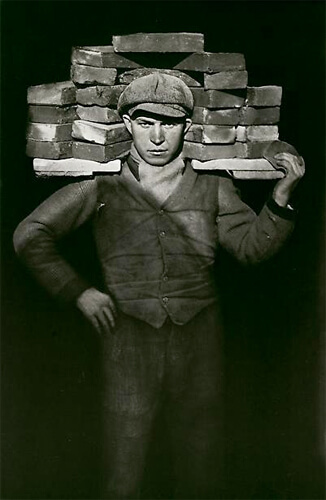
169,110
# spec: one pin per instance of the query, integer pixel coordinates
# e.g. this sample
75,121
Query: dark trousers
182,366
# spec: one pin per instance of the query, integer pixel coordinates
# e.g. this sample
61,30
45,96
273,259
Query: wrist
285,212
281,198
81,296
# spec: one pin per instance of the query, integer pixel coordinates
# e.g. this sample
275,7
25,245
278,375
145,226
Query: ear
127,122
187,125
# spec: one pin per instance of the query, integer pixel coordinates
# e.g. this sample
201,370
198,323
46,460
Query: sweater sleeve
249,237
35,238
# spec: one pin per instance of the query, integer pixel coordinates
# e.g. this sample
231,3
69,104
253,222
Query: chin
157,161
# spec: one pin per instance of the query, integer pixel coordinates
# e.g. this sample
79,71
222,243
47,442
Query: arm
35,241
36,236
252,238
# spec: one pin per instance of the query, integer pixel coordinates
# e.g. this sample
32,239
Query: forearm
249,237
281,196
41,257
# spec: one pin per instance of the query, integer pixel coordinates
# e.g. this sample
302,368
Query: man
157,226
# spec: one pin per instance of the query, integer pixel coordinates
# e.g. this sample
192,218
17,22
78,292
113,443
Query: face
157,139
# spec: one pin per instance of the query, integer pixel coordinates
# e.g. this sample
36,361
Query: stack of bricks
75,128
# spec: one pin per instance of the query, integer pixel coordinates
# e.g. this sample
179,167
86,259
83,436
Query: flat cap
157,93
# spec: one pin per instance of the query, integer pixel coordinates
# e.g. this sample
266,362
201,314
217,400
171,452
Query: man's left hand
294,168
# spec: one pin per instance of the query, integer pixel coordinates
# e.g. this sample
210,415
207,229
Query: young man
157,226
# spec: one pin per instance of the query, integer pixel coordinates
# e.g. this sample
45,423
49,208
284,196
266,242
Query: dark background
274,314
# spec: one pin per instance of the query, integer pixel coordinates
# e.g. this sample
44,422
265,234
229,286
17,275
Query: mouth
157,152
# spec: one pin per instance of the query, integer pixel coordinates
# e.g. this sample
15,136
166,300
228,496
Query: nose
157,134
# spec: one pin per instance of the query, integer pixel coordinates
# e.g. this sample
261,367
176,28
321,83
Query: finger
284,156
95,323
109,316
112,305
292,167
292,159
283,165
105,327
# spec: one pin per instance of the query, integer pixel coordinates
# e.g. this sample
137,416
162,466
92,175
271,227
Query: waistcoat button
165,300
162,234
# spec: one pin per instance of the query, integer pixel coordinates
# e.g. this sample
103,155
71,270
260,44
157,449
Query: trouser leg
195,410
133,361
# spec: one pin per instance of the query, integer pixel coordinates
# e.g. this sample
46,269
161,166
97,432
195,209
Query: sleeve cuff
72,290
287,212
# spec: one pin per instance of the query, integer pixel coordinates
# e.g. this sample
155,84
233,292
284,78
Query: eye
169,125
144,124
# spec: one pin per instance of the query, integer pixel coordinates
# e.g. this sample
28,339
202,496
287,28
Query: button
162,234
268,236
165,300
165,278
161,212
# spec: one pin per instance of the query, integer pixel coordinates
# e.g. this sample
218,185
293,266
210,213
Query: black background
274,314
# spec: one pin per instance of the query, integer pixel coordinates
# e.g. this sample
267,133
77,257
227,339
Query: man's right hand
99,309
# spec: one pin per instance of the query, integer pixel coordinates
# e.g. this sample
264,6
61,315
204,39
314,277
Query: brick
257,175
159,42
267,149
233,164
89,75
210,62
216,117
215,134
256,149
101,57
128,76
211,134
226,80
43,149
269,95
58,94
262,116
241,133
49,132
73,167
100,95
51,114
98,114
97,152
215,99
100,133
205,152
262,133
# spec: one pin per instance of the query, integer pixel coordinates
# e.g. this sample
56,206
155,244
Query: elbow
24,235
253,256
20,238
251,261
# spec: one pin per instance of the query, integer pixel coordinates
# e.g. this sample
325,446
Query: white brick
89,75
100,133
58,94
49,132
